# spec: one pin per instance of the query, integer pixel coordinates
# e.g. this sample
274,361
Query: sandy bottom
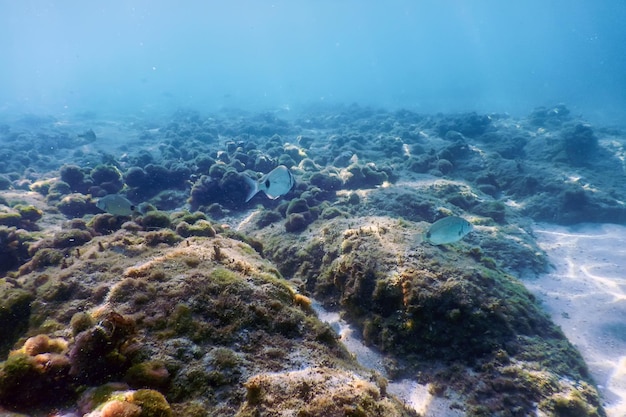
586,295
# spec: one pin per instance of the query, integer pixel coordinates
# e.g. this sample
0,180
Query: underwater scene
313,208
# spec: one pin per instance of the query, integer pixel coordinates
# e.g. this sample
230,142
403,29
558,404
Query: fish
89,135
116,204
448,230
274,184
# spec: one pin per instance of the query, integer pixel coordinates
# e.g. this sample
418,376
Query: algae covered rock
432,304
14,244
36,374
14,314
127,403
317,392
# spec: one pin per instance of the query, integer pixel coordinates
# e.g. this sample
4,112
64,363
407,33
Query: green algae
453,307
28,212
155,220
169,237
14,315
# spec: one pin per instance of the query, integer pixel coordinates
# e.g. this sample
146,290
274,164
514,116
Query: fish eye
267,183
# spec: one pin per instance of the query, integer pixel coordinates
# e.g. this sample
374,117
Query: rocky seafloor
199,304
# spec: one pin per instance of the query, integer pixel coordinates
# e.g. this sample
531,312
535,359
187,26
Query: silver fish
274,184
448,230
116,204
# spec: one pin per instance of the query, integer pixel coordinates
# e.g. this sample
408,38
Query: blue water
133,56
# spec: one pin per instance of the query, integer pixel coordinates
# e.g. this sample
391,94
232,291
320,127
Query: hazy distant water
445,55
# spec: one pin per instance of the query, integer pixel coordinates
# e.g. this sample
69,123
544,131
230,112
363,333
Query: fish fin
253,187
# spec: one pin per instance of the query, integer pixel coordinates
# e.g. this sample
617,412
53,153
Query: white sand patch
413,394
586,295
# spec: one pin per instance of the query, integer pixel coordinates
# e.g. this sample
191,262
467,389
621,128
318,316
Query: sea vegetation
448,306
172,313
165,329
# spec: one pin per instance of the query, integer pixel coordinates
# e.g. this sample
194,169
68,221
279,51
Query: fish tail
253,186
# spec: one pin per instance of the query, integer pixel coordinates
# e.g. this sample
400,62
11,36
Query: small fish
274,184
89,135
116,204
448,230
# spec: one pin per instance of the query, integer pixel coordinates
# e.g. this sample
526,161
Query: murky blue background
438,55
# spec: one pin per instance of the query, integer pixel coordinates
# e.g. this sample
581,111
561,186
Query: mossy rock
42,186
10,219
13,247
150,374
105,223
71,238
267,217
135,177
155,220
152,403
296,222
75,205
199,228
166,236
185,216
365,176
59,188
28,212
105,173
297,205
14,315
72,175
44,257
